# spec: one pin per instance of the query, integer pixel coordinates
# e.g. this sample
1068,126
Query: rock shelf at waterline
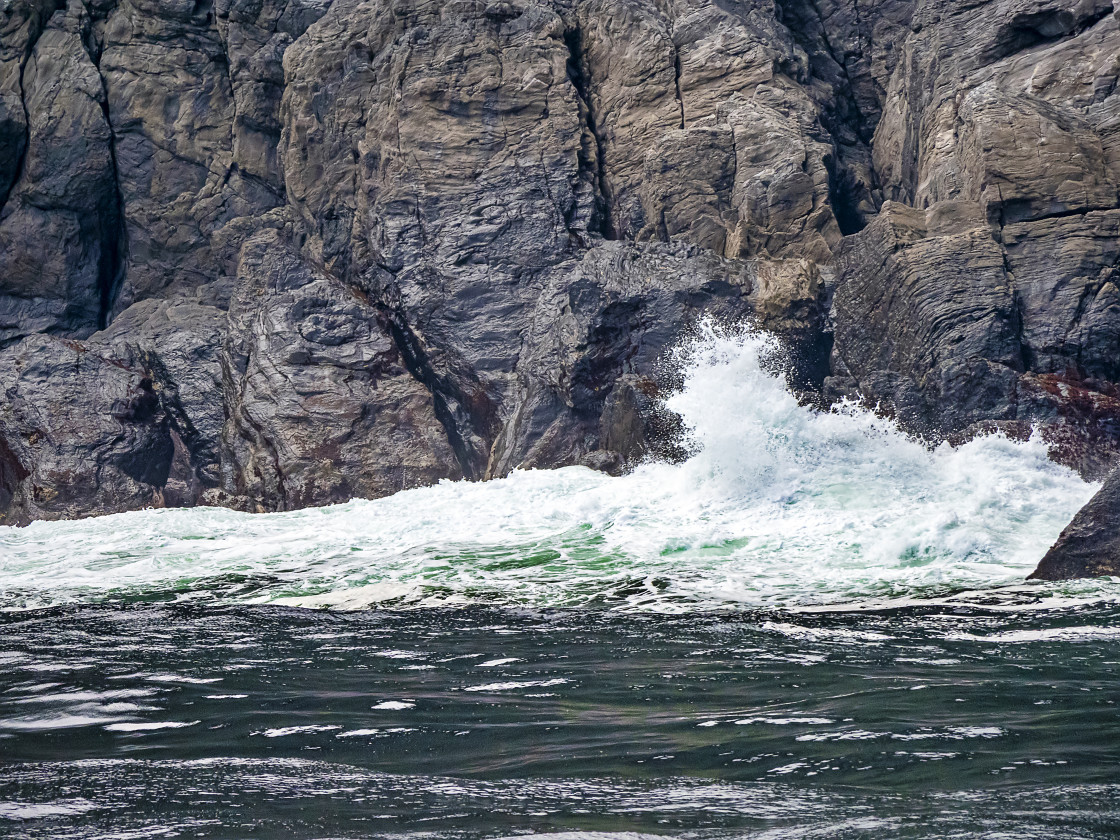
780,505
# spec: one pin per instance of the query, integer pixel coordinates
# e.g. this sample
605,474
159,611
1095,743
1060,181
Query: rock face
1090,544
320,402
276,253
128,420
986,290
59,226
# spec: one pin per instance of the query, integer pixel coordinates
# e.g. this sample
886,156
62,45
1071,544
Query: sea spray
778,505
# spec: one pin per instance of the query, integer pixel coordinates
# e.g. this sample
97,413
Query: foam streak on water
780,505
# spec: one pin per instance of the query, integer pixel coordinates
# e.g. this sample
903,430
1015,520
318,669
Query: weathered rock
588,379
321,404
980,88
59,228
1000,118
359,245
925,319
445,180
1090,545
449,171
193,95
21,24
121,421
484,147
933,325
179,343
751,181
255,35
1008,109
1066,290
1060,169
68,456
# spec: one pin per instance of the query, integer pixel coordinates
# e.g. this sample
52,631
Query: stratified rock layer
276,253
985,294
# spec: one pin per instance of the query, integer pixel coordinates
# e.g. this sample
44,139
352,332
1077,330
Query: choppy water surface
277,722
815,627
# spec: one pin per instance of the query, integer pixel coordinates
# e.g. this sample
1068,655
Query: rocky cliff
274,253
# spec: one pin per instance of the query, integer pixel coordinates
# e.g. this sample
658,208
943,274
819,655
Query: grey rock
179,342
589,379
274,253
925,318
1090,545
1001,118
1065,281
59,228
321,404
948,329
126,419
69,457
171,108
750,181
21,24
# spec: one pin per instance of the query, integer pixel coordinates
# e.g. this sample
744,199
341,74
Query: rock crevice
592,160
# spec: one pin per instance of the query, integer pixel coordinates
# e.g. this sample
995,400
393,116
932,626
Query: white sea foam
150,726
780,505
1051,634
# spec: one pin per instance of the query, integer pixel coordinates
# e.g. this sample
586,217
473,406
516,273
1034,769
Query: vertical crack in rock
677,81
844,111
1026,360
452,418
863,127
12,473
179,422
35,33
842,197
601,221
114,236
267,443
22,154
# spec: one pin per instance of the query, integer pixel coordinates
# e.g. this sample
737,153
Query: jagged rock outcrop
321,403
1090,545
987,288
286,252
128,418
385,210
586,379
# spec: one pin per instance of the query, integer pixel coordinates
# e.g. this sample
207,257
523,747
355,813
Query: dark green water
135,721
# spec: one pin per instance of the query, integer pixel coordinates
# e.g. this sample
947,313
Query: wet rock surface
1090,544
282,253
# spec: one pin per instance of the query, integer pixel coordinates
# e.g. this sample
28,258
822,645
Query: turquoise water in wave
814,628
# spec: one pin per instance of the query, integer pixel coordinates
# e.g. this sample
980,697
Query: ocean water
814,627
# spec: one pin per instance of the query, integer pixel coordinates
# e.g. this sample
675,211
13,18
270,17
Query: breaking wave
780,505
